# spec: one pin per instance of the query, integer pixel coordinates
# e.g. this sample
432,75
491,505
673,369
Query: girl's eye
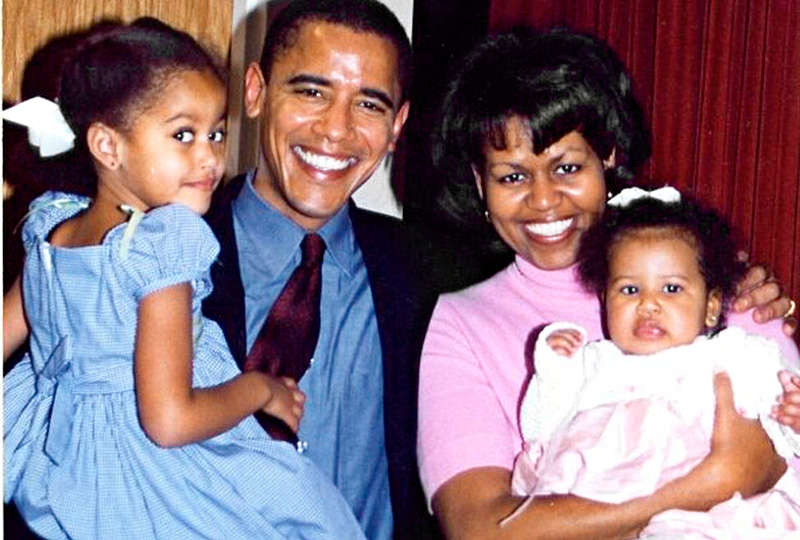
629,289
567,168
217,136
184,136
672,288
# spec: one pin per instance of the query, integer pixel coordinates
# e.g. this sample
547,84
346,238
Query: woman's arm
760,290
474,503
171,412
15,327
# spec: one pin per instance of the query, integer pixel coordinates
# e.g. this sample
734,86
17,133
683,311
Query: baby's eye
184,135
629,289
217,135
672,288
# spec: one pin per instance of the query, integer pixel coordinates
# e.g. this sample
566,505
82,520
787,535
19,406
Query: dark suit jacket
402,320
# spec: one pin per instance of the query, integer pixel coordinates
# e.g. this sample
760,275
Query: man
329,93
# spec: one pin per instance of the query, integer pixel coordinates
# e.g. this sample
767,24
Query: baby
620,418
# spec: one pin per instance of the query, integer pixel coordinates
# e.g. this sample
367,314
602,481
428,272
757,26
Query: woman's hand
761,290
285,401
742,458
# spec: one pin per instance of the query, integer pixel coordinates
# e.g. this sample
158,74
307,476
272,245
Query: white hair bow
666,194
47,128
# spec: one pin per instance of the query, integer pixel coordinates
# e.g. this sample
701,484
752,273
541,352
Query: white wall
249,22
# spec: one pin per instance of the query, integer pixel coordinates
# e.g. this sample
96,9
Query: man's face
329,113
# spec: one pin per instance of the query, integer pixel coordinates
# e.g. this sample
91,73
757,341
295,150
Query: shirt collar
265,222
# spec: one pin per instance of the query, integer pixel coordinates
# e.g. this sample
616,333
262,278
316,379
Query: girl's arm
474,503
15,327
171,412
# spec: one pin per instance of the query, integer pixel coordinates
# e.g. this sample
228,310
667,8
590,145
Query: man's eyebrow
373,93
380,95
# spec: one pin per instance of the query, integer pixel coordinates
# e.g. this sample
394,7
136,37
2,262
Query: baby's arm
787,411
565,341
15,327
171,411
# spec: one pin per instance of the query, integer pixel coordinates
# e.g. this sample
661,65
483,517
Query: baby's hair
118,70
702,228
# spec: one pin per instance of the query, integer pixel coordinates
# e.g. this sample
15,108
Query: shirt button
301,446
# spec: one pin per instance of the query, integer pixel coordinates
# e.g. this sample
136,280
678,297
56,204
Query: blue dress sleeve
47,211
171,244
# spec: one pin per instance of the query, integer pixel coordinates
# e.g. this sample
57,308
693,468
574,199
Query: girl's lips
205,185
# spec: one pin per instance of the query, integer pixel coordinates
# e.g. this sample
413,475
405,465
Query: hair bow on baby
666,194
47,128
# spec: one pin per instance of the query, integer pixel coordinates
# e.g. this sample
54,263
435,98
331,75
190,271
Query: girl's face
542,204
656,297
175,148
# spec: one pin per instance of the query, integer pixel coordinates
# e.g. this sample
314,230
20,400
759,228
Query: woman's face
542,204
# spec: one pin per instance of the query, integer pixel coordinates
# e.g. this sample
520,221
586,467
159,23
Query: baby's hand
286,401
787,411
565,342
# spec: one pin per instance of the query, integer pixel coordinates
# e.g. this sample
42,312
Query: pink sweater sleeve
772,330
460,418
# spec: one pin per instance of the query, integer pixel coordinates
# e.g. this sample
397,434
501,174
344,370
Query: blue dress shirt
342,428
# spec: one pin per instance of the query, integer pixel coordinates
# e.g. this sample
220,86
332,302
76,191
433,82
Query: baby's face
656,297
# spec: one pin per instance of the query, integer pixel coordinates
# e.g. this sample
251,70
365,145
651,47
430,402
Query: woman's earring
486,215
609,195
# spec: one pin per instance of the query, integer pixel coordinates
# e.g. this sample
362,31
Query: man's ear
611,161
478,181
255,88
713,308
104,145
399,121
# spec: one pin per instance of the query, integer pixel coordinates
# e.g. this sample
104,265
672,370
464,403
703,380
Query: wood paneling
29,24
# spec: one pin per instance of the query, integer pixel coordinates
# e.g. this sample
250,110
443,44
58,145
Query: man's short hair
358,15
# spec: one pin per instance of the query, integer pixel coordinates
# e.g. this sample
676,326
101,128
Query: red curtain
720,84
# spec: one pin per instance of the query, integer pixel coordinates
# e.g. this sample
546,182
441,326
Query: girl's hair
118,70
701,227
557,81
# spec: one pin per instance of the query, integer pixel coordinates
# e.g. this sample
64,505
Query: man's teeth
323,163
553,228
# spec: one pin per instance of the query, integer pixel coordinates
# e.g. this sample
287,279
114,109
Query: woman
549,126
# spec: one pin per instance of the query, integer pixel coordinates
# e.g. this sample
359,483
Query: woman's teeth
553,228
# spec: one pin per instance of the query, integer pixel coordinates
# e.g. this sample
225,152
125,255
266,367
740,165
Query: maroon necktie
285,344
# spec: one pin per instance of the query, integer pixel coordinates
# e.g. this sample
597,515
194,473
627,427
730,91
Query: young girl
619,419
128,418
